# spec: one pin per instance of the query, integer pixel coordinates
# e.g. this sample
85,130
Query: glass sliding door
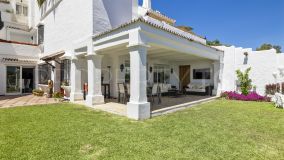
13,83
161,74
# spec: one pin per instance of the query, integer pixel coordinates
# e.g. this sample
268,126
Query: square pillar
94,96
138,108
76,88
218,70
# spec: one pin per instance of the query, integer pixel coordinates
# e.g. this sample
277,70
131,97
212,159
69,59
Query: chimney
135,9
147,4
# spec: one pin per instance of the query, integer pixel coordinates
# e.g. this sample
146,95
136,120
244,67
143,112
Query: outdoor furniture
156,92
199,88
106,90
123,93
174,92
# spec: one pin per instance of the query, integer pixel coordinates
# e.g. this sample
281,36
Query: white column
147,4
56,77
94,96
115,71
76,88
36,78
138,108
217,65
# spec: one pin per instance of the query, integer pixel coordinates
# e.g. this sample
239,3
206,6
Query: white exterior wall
67,24
108,14
10,50
263,64
3,79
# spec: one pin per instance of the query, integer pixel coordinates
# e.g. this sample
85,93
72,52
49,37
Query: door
13,81
27,80
184,75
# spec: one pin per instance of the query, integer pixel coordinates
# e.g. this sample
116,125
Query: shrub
271,89
245,81
253,96
38,92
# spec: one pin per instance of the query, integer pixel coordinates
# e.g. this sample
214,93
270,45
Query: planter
67,90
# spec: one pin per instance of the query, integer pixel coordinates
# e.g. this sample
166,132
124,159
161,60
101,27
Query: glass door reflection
13,79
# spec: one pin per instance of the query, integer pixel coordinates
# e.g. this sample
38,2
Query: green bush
244,80
38,92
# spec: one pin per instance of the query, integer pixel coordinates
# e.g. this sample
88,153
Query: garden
221,129
274,92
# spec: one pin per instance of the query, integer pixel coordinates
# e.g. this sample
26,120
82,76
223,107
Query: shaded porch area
141,62
166,101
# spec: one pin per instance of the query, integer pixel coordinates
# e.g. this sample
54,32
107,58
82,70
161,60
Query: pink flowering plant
252,96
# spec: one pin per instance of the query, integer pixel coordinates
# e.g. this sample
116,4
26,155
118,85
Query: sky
242,23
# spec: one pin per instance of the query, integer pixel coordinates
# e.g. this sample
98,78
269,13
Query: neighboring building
107,42
19,53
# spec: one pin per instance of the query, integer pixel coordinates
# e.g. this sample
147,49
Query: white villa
118,48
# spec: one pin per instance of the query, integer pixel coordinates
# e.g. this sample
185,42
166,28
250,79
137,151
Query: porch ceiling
154,52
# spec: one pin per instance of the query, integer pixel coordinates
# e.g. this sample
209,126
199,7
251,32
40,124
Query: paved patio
26,100
168,101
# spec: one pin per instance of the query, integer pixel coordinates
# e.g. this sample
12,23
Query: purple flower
253,96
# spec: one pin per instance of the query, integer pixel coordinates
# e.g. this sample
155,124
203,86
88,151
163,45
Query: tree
40,2
214,43
267,46
245,81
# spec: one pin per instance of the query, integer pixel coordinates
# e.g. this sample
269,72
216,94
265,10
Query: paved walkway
27,100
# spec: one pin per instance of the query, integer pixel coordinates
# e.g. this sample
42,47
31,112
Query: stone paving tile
25,100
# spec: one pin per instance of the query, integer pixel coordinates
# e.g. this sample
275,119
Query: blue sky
243,23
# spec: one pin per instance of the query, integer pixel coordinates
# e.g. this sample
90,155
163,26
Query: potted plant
66,87
50,89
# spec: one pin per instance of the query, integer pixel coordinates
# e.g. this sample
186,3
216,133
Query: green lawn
217,130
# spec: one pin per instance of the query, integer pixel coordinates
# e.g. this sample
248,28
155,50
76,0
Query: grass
217,130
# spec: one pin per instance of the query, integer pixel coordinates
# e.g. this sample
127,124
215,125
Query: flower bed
253,96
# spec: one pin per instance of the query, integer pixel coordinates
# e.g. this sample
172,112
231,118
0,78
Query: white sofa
204,88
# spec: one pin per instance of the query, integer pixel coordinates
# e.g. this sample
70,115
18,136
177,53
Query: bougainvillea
252,96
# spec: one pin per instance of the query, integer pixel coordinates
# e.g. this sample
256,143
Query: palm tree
40,2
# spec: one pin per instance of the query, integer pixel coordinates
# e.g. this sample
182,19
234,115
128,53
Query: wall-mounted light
121,67
246,58
151,69
172,70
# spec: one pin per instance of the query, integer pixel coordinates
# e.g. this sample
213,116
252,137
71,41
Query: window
65,72
18,9
202,73
25,11
161,74
44,73
40,34
21,10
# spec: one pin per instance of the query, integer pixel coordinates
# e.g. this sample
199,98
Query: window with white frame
21,9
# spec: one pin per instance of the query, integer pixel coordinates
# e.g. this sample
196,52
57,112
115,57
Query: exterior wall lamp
121,67
172,70
151,69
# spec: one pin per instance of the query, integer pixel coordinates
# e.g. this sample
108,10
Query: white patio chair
123,93
156,91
